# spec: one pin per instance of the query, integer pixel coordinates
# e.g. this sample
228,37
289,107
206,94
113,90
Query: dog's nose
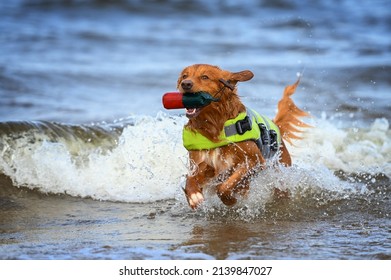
187,84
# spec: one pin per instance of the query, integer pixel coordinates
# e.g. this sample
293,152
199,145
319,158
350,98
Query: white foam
351,150
147,165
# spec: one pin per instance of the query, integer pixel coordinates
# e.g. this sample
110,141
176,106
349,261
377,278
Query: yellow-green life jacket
247,125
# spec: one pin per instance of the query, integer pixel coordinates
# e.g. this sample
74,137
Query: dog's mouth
192,112
195,101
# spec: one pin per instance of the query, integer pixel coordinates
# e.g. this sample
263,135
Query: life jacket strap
240,127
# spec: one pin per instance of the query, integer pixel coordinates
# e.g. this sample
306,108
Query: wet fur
230,167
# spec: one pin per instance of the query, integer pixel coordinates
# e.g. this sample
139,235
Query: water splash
144,164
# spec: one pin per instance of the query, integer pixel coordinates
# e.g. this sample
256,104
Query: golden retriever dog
228,142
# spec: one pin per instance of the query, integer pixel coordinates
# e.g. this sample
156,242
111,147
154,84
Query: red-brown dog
222,137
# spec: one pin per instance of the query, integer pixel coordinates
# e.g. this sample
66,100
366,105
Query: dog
228,142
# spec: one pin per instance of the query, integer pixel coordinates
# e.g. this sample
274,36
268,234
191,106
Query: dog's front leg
195,182
238,182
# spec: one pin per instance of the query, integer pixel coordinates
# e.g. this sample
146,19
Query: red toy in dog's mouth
193,102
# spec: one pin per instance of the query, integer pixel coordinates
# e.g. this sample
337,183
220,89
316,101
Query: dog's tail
288,116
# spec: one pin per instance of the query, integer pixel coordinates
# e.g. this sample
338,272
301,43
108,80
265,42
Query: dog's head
207,78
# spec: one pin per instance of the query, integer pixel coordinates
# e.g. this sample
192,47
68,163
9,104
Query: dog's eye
184,76
204,77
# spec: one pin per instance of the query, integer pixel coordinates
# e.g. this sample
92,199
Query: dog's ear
241,76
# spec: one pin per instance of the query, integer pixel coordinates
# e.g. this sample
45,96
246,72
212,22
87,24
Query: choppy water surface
91,165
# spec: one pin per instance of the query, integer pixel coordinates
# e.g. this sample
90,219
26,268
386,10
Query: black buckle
264,134
273,140
243,125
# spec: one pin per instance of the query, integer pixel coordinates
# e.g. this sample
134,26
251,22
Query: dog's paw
195,199
227,199
226,195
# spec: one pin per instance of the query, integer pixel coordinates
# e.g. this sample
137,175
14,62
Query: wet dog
228,142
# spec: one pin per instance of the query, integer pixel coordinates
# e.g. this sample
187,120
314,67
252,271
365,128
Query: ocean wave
353,150
139,165
141,159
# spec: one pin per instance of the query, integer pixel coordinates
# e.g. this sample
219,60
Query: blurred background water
93,60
